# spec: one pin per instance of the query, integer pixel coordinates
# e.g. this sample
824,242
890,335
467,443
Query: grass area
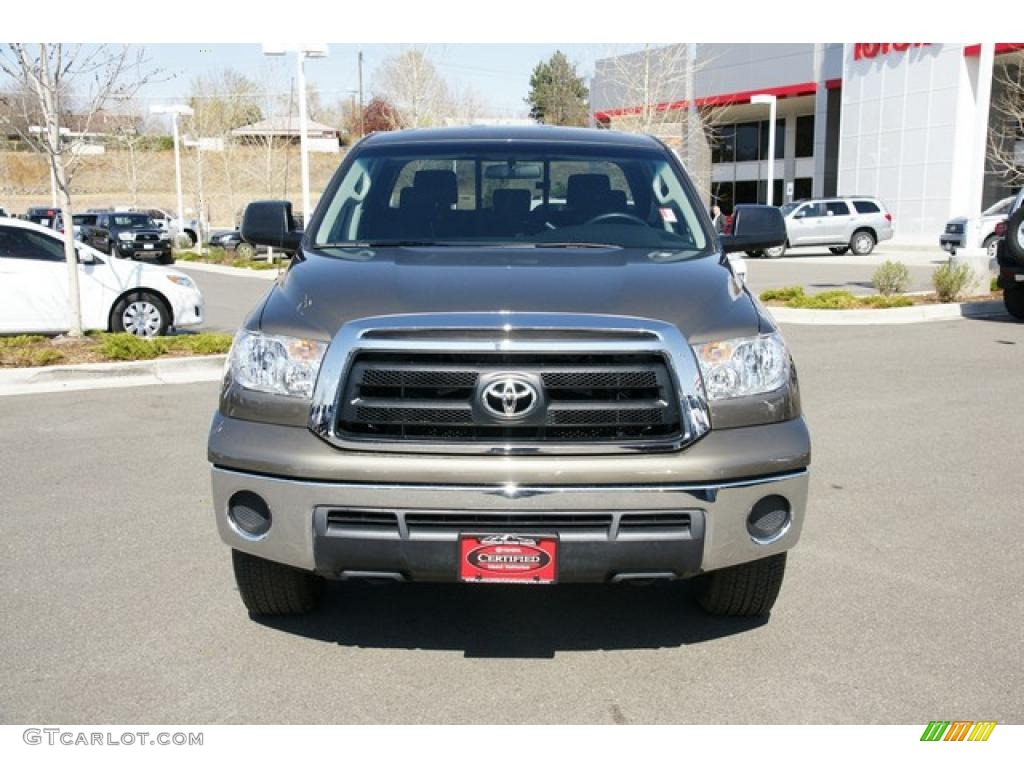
795,297
34,351
227,259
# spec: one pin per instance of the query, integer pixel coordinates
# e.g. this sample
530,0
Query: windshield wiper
386,244
575,245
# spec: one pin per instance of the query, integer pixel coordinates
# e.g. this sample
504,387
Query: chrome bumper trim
724,506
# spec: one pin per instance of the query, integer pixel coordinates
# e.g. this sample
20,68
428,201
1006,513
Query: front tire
748,589
839,250
991,245
272,589
862,243
141,313
1013,300
246,251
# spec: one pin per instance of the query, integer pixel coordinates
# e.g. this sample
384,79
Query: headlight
739,367
126,236
181,280
280,365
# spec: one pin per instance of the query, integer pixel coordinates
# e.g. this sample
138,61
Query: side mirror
85,255
755,228
270,222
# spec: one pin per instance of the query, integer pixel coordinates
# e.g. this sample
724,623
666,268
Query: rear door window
837,208
865,206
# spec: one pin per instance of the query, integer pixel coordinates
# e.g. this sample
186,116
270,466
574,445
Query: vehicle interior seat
510,209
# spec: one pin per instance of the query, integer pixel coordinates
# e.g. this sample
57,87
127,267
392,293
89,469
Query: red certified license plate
505,558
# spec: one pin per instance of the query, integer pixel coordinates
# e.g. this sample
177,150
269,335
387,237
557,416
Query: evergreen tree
558,95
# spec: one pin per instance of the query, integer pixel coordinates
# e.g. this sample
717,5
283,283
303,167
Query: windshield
134,221
526,195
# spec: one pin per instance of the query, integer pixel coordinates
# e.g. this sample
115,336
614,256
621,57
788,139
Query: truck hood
319,293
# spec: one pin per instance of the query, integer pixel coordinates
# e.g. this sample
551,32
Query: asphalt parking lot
902,602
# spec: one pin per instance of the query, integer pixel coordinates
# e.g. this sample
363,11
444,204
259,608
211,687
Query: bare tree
467,105
654,91
132,141
1006,127
52,74
220,103
412,83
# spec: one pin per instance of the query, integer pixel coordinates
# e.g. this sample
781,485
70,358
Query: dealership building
900,121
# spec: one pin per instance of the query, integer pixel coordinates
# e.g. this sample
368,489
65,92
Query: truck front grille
592,397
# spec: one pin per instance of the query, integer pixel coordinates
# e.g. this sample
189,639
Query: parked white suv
839,223
143,299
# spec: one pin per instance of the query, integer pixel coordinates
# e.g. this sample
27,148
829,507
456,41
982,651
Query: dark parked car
1010,255
129,236
46,216
510,355
233,241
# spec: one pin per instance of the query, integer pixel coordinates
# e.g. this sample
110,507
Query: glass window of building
780,139
724,149
805,136
747,142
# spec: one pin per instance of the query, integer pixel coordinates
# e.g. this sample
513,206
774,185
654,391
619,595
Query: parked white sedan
131,296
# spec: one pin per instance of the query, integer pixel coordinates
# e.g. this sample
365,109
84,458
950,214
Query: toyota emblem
509,398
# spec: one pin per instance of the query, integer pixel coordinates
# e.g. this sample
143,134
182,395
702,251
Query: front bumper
129,250
187,306
302,536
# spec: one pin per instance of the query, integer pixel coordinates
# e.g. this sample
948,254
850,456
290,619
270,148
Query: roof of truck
531,133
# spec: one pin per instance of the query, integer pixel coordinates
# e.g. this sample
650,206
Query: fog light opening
249,515
769,519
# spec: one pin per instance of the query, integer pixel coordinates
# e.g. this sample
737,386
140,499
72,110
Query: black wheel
142,314
839,250
748,589
862,243
272,589
167,258
755,254
245,251
1013,300
1015,236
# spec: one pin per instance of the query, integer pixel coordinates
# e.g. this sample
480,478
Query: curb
140,373
924,313
221,269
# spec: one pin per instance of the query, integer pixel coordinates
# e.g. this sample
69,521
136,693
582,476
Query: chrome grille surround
509,332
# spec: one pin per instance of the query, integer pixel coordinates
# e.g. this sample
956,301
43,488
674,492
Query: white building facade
893,120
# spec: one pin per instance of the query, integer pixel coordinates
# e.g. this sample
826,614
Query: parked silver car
840,223
955,234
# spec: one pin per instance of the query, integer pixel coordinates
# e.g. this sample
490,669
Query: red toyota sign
874,50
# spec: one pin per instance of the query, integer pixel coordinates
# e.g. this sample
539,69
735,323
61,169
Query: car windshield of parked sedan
531,195
134,221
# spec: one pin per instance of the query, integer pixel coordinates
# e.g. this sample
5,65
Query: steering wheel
627,218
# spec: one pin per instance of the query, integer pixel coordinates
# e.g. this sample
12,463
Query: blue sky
499,73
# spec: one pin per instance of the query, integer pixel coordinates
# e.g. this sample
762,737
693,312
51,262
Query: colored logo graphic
958,730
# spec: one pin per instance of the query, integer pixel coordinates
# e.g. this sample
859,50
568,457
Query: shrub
825,300
891,278
885,302
951,281
783,294
125,346
200,343
17,342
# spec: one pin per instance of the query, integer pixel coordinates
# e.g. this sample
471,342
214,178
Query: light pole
771,101
302,52
175,110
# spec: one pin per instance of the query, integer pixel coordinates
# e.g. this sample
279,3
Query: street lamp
771,101
302,52
175,110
